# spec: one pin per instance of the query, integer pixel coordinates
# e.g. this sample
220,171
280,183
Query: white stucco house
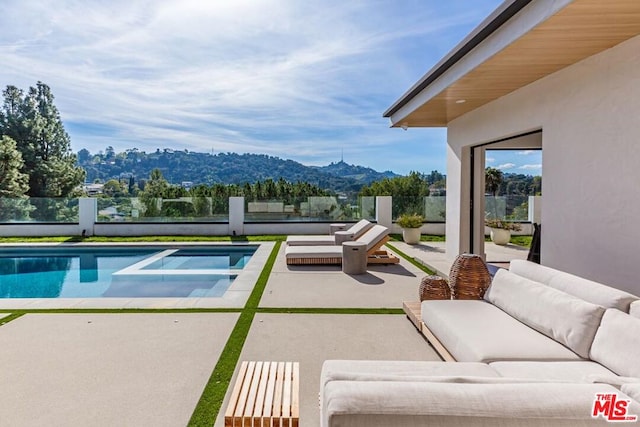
563,76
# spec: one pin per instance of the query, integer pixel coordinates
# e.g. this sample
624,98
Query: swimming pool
121,272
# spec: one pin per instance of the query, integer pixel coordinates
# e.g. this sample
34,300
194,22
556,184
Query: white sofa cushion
378,370
438,404
585,289
632,390
532,271
617,343
476,331
634,309
563,317
582,371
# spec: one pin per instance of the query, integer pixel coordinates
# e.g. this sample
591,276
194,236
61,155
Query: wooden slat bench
265,394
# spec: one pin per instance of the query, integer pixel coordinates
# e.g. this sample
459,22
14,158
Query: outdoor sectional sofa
544,348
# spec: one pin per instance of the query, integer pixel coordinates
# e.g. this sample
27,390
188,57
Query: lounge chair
375,238
355,231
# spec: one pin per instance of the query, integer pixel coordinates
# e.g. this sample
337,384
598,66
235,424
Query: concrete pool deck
108,369
150,369
313,338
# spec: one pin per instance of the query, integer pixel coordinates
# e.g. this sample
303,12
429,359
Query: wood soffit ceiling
581,29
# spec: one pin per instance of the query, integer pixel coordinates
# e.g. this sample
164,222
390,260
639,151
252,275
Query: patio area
83,368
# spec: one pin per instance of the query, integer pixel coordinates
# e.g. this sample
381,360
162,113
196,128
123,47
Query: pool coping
235,297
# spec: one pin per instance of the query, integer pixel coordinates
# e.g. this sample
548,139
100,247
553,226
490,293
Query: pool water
99,272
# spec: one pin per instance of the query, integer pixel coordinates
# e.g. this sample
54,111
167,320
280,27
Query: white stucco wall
590,117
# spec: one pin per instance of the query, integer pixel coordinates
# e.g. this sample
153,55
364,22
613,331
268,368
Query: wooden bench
265,394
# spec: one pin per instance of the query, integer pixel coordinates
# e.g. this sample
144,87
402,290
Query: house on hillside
558,75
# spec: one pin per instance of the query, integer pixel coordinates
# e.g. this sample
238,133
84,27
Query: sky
304,80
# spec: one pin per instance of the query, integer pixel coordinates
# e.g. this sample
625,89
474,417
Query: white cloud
489,160
528,152
506,166
530,167
281,77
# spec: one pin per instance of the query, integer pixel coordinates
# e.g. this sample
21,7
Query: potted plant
410,225
501,230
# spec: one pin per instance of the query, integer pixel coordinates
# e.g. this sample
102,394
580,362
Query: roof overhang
519,43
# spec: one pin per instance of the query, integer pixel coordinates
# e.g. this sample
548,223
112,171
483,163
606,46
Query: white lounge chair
355,231
375,238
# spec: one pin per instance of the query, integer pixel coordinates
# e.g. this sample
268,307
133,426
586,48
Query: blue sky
303,80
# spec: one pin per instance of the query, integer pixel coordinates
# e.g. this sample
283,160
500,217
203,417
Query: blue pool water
98,272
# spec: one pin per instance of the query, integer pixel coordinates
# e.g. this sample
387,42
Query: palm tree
492,180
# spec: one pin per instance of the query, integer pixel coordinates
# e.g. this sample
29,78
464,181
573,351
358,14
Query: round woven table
434,287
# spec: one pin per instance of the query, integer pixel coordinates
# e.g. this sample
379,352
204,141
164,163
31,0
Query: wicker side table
469,277
434,287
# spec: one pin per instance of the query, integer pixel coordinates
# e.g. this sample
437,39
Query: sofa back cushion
588,290
634,309
617,343
565,318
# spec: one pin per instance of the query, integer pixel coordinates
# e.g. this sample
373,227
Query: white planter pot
411,235
500,236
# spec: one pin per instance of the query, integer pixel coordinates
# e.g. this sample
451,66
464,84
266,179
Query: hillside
226,168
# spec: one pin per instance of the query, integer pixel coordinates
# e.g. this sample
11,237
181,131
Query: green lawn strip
412,260
423,238
322,310
524,241
206,411
136,239
13,316
122,310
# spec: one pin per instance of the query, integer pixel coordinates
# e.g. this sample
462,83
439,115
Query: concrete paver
108,369
433,254
383,286
313,338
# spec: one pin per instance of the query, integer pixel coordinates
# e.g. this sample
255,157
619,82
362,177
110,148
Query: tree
14,205
408,192
34,123
493,179
154,190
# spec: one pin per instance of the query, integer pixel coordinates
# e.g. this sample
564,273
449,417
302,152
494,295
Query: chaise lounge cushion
588,290
356,230
311,240
582,371
556,314
313,252
617,343
425,403
476,331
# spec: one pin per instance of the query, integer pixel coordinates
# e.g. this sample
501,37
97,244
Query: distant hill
359,173
226,168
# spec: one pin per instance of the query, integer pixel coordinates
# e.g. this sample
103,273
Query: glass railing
183,209
510,208
36,209
321,208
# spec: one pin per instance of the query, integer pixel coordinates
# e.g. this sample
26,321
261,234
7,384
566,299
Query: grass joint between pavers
412,260
210,402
